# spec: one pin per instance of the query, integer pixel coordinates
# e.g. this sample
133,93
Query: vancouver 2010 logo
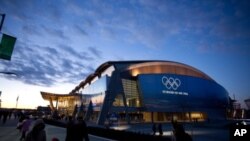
171,83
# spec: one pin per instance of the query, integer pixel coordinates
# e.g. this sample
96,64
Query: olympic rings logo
171,83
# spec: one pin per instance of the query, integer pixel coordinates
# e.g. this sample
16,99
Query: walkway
8,132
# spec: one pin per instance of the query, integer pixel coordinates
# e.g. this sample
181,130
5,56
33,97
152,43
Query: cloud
54,32
46,66
58,41
80,30
95,52
31,30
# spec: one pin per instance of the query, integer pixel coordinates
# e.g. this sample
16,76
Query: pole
17,100
1,24
0,100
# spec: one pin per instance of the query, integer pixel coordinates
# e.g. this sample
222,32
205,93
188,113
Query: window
131,93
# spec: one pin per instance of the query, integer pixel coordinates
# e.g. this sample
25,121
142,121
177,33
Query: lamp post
0,100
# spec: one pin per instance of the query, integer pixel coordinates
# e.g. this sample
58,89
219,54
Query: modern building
64,103
149,91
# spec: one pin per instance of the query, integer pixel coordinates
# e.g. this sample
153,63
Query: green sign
7,46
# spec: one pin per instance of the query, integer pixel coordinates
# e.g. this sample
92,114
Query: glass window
118,100
131,93
98,86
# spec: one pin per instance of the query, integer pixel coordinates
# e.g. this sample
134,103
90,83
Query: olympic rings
171,83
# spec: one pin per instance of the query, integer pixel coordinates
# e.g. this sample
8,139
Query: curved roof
145,66
53,96
166,67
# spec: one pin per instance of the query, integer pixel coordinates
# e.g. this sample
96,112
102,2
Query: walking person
179,133
5,116
25,127
70,129
154,128
37,133
81,131
160,129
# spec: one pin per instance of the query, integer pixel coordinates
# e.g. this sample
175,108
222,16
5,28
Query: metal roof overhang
54,96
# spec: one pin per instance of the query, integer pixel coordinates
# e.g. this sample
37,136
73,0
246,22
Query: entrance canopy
66,100
55,97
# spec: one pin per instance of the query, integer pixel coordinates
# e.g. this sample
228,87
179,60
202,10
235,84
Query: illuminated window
118,101
131,93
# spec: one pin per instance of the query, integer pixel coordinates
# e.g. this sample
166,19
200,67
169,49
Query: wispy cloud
97,53
57,38
42,65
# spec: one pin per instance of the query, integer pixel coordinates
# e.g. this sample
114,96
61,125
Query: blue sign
166,91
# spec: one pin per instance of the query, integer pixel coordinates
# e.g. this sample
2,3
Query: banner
7,46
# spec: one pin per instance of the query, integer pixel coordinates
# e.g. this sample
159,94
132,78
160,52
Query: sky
60,42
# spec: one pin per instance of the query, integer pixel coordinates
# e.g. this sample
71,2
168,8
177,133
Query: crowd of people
159,127
33,129
76,129
4,115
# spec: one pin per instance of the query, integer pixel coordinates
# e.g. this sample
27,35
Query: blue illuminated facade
148,91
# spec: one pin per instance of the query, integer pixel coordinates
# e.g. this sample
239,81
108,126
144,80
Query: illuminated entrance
64,104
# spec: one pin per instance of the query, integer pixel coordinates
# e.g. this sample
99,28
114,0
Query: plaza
198,131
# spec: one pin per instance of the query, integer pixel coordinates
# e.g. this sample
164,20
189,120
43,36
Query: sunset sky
60,42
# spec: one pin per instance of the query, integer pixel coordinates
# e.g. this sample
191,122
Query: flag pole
17,100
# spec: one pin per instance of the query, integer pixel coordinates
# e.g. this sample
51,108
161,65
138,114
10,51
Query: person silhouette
70,129
80,130
154,128
160,129
37,133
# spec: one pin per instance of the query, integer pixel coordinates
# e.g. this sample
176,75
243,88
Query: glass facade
95,92
148,91
97,87
131,93
118,101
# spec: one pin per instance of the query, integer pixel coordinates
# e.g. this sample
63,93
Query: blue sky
60,42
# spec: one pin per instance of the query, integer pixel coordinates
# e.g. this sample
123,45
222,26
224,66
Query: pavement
198,132
8,132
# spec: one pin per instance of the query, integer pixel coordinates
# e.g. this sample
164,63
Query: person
70,129
154,128
25,127
5,116
180,134
80,130
37,133
160,129
20,122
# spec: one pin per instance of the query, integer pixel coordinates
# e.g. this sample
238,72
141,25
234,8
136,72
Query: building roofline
107,64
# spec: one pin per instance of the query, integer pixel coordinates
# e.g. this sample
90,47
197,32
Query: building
149,91
64,103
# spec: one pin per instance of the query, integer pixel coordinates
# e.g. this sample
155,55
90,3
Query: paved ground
8,132
199,132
